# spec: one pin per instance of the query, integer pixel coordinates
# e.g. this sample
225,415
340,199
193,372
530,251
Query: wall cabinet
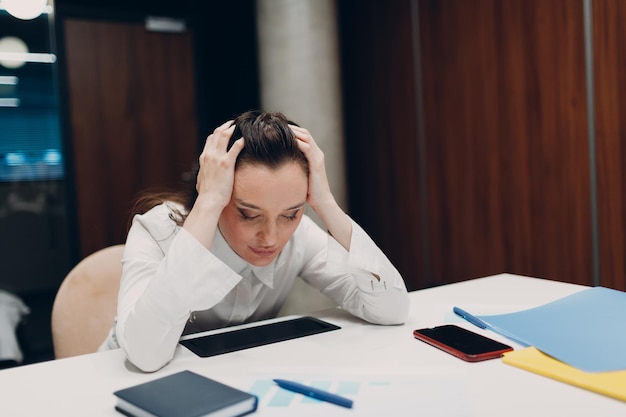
468,137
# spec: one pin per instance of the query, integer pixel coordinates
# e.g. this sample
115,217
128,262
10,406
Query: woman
229,252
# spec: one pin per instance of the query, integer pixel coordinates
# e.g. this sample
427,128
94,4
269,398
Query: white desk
82,386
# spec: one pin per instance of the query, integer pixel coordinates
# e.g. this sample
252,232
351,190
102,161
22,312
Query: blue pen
472,319
314,393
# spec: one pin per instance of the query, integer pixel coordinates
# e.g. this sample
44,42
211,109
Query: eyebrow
255,207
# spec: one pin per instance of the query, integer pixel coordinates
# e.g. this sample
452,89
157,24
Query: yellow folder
612,384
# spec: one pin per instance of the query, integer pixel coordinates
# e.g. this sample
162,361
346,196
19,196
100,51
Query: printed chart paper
373,395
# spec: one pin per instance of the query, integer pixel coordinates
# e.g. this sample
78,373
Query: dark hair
268,142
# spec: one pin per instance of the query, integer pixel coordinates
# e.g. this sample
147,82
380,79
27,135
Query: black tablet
264,334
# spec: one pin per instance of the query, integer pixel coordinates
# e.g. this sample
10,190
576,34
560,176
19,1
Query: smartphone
462,343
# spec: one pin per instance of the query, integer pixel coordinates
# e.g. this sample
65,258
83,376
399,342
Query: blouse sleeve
362,280
164,277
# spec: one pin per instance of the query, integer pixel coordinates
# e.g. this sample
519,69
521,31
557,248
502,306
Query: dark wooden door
133,119
506,136
475,160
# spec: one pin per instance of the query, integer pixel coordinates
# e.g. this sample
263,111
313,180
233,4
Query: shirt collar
222,250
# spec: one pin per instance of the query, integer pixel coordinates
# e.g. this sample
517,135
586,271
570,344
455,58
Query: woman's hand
215,181
319,196
217,166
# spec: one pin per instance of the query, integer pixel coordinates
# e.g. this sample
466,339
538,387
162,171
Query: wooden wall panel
609,46
133,119
506,136
381,129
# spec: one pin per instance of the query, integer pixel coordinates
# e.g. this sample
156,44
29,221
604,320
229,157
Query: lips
263,252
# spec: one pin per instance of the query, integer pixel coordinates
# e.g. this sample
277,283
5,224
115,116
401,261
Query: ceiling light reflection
25,9
27,57
9,102
8,80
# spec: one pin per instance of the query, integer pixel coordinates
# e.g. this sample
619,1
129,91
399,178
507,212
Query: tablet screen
216,344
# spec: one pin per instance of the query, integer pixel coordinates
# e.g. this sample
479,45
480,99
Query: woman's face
264,210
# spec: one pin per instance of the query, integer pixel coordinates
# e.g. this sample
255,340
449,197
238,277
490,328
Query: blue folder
586,330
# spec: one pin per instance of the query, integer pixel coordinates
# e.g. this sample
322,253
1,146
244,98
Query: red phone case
495,351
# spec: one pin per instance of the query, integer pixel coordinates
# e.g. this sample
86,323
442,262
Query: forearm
148,342
337,222
385,304
202,220
361,280
150,330
158,293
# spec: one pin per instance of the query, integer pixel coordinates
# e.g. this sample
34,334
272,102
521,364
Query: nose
268,234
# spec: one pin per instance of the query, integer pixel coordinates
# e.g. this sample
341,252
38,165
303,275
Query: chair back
86,304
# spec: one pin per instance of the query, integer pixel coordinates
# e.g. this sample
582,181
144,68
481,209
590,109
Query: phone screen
462,343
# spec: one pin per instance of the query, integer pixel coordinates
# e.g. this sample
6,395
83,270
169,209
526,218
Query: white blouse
172,285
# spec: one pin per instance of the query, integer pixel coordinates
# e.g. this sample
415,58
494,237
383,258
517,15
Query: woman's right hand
214,184
217,166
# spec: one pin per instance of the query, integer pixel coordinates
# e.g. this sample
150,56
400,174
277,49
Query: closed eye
247,216
293,215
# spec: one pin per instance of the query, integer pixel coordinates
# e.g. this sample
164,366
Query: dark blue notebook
184,394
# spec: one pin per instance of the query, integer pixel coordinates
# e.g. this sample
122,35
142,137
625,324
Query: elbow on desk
145,345
396,312
400,316
146,362
147,358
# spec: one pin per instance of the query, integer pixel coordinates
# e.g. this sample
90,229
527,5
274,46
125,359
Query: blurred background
468,137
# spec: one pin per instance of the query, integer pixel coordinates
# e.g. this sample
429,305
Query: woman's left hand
319,194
